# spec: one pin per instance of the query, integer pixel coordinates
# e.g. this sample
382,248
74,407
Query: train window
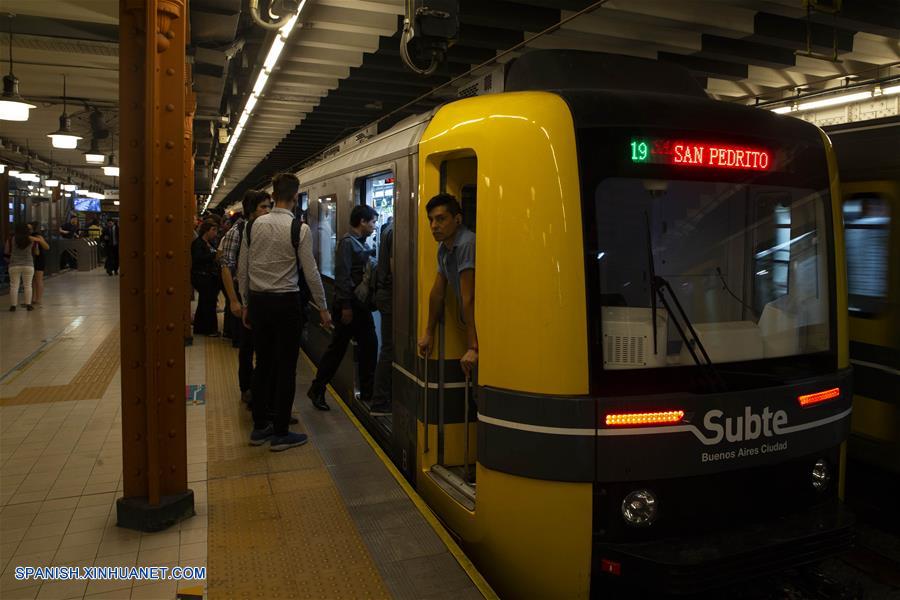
377,191
458,177
327,234
748,263
866,232
302,209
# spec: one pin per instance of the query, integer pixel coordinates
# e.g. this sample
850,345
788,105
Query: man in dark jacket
384,301
352,319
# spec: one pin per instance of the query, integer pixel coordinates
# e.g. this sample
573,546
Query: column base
137,513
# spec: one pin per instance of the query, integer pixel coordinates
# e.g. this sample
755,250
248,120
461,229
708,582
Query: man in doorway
353,320
456,266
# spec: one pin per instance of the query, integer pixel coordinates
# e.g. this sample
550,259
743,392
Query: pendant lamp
12,106
63,137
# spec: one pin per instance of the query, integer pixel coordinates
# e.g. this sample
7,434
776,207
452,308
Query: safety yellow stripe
460,556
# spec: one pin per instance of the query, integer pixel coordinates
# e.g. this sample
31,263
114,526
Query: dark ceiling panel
707,67
742,51
792,33
507,15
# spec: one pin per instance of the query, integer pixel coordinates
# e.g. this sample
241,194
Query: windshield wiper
657,286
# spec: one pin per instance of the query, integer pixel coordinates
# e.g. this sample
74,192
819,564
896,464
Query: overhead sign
692,153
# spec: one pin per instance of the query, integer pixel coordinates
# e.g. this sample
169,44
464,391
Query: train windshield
693,272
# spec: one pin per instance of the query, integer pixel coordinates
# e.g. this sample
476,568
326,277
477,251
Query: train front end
717,339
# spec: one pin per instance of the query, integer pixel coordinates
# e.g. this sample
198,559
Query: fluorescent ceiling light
94,159
781,110
82,192
2,168
894,89
52,183
14,172
834,101
111,171
115,202
69,187
260,83
274,53
269,64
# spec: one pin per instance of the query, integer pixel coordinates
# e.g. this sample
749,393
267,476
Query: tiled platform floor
61,454
323,521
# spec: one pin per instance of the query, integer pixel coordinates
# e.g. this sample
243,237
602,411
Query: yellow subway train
663,392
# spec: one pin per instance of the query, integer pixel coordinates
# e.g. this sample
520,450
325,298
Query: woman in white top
19,255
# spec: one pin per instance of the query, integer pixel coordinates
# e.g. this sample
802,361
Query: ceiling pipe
254,12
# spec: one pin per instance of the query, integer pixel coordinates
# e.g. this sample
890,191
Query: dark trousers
362,329
112,259
384,367
205,320
277,322
245,357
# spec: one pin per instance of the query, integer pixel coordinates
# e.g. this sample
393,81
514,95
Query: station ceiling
343,68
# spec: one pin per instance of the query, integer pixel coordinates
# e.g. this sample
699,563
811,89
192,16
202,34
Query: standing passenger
456,264
94,230
256,203
269,282
353,319
21,265
111,239
40,261
384,301
205,279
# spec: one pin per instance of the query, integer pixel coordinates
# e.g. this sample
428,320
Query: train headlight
640,508
821,475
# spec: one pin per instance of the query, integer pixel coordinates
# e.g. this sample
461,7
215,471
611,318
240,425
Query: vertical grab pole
425,416
466,419
441,380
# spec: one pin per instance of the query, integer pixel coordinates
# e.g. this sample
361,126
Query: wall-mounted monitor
87,204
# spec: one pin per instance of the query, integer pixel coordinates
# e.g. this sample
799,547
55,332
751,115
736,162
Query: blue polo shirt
453,261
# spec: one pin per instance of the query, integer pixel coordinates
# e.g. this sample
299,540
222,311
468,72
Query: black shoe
381,409
29,307
12,309
317,395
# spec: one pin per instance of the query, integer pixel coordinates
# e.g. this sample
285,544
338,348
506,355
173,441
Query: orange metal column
152,105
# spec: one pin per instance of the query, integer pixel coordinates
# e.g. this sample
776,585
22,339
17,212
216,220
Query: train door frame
455,435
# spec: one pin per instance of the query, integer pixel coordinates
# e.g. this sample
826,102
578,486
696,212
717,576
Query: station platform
330,519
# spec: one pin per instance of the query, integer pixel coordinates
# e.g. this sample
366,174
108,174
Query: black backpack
305,293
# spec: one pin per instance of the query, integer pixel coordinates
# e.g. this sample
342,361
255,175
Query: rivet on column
170,327
170,363
170,144
170,290
170,107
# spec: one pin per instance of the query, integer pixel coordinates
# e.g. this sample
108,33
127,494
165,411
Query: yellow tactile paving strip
89,383
278,527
